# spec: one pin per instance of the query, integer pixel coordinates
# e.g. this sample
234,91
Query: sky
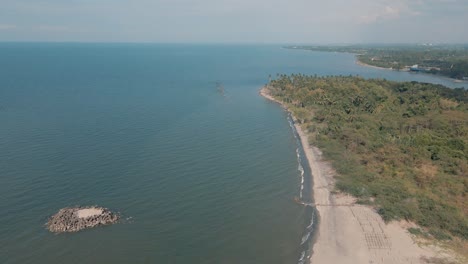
236,21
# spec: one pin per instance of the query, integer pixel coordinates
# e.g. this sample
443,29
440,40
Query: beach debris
73,219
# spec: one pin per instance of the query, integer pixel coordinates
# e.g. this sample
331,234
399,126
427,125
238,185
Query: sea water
199,174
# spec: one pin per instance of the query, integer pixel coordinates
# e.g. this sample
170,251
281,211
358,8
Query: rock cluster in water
73,219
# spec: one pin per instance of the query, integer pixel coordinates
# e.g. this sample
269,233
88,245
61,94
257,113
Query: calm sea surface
199,177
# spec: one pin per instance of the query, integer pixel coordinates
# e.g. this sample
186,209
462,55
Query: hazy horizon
285,44
229,21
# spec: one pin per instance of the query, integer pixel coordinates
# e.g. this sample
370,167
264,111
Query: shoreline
348,232
360,63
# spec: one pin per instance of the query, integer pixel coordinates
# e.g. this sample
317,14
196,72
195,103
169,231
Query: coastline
349,232
360,63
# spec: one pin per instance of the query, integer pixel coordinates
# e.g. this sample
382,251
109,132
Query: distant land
445,60
397,146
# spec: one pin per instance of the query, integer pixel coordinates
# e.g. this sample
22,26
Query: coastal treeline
400,146
446,60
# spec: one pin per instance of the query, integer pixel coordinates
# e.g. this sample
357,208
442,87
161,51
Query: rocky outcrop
73,219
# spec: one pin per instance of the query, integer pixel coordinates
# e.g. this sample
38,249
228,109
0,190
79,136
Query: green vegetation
399,146
446,60
416,231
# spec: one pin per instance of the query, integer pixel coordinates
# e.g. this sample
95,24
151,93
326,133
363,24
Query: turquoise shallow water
142,129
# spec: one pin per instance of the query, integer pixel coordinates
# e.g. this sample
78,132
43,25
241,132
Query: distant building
415,68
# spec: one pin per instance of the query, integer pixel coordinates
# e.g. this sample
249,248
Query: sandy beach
358,62
353,233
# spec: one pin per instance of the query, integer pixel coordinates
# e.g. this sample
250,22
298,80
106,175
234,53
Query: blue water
199,177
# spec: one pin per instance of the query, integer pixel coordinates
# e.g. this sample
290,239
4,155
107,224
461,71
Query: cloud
7,26
387,12
397,9
303,21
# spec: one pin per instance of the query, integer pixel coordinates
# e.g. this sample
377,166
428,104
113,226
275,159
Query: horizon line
232,43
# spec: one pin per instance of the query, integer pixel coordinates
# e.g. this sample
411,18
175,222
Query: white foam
311,221
301,259
301,170
305,238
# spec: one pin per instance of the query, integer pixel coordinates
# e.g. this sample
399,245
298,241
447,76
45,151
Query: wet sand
352,233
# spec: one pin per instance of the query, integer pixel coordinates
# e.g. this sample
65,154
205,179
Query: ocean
199,174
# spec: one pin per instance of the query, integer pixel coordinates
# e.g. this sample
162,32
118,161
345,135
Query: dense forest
401,147
446,60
